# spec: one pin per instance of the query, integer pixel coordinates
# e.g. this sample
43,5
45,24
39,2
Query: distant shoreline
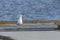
29,21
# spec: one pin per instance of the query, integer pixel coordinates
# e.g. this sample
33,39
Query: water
30,9
33,35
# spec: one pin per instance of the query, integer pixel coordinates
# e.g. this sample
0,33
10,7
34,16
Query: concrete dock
32,35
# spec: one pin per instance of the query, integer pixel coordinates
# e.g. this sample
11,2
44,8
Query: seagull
20,21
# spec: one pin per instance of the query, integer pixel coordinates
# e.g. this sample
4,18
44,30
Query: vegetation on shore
29,21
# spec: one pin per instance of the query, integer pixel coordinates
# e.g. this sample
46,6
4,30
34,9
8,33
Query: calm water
33,35
30,9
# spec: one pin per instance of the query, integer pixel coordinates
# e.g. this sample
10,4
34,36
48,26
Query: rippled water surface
30,9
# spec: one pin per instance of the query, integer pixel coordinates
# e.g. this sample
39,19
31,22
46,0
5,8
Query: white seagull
20,21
